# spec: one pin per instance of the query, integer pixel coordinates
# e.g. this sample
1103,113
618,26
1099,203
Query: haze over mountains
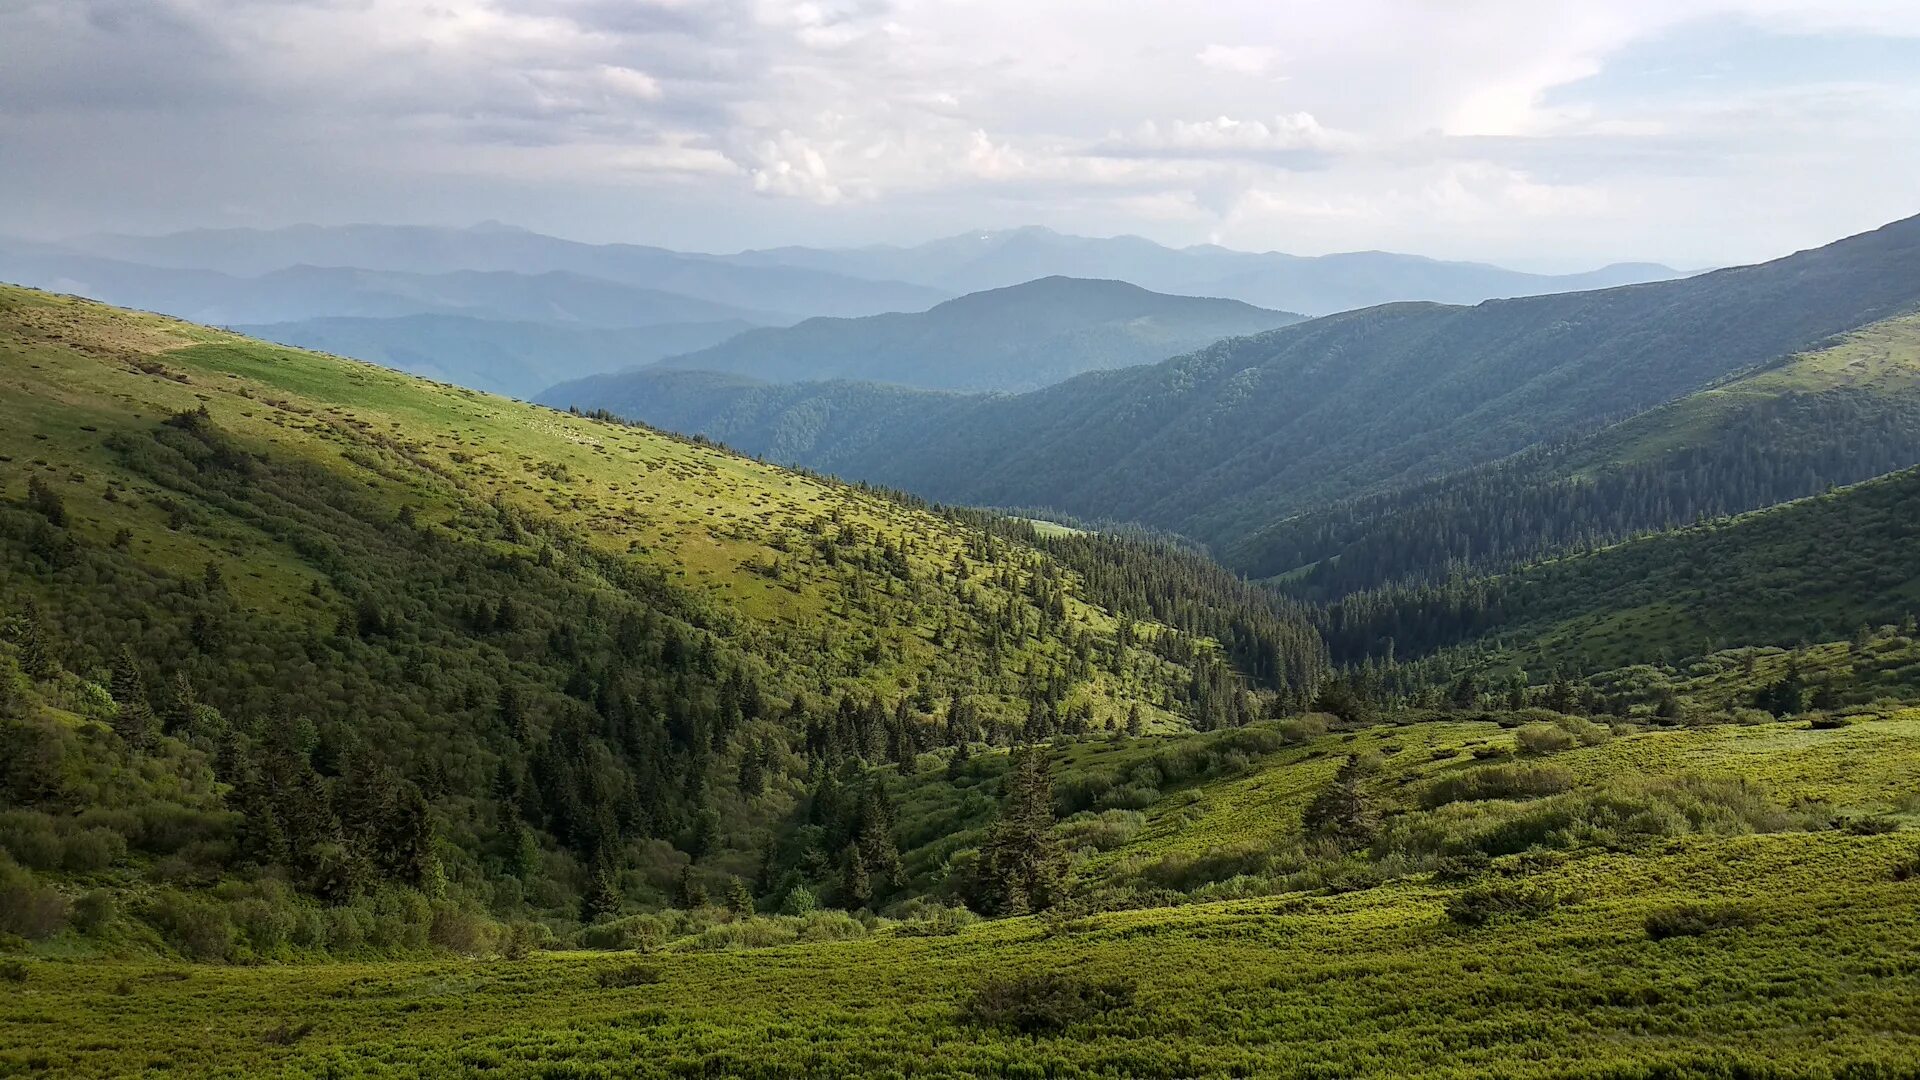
1225,441
1315,285
1020,337
295,284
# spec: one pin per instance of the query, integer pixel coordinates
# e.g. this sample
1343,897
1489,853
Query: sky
1543,134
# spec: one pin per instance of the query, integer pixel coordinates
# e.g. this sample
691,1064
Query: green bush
1481,904
1692,920
626,975
1043,1004
1543,739
199,928
1497,782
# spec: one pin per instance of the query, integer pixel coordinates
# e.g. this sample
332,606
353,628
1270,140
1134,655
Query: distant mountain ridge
1018,338
791,293
305,291
515,359
1219,443
1316,285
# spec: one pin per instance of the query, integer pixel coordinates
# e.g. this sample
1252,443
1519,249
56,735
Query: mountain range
1021,337
1222,442
1317,285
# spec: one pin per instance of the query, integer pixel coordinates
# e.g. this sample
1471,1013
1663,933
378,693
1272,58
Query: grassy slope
1376,982
705,518
1812,570
1882,360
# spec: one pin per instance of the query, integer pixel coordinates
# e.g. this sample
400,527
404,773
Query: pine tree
133,719
32,650
603,893
739,898
1343,812
1022,864
691,893
1136,724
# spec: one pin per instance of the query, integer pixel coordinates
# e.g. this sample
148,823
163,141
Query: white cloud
1378,123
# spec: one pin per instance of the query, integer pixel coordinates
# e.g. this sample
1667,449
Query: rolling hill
1017,338
1814,570
285,601
1792,428
517,359
1227,440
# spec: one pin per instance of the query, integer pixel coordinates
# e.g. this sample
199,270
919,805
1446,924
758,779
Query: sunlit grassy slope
744,541
1881,360
1819,973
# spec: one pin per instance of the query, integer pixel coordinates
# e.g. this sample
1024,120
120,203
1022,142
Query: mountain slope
1226,440
1018,338
1318,285
1836,415
517,359
318,601
1807,571
790,292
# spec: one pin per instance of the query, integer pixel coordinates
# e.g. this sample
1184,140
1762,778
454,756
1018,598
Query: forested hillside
1018,338
1837,415
277,619
1809,571
1225,441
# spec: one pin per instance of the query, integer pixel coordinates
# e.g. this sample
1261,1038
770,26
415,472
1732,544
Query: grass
1377,983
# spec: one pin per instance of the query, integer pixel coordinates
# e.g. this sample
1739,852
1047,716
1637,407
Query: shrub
798,901
93,911
27,908
1497,782
1481,904
1303,729
199,928
1043,1004
936,920
1692,920
626,975
522,938
1543,739
13,971
641,933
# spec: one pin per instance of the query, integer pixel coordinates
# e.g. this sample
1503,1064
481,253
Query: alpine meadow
856,631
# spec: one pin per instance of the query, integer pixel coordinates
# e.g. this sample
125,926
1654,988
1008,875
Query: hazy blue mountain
1018,338
792,292
303,292
1232,437
512,358
1317,285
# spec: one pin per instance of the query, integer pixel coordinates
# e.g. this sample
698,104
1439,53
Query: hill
1792,428
279,620
1318,285
517,359
1017,338
1814,570
1224,441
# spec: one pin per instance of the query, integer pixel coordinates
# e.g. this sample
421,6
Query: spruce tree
1022,864
133,718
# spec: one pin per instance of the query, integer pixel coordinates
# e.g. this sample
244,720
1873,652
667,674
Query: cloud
1239,59
1384,123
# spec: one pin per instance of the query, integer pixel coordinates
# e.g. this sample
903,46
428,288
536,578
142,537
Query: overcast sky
1540,133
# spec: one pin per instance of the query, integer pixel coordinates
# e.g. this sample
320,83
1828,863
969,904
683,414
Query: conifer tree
133,719
1022,864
